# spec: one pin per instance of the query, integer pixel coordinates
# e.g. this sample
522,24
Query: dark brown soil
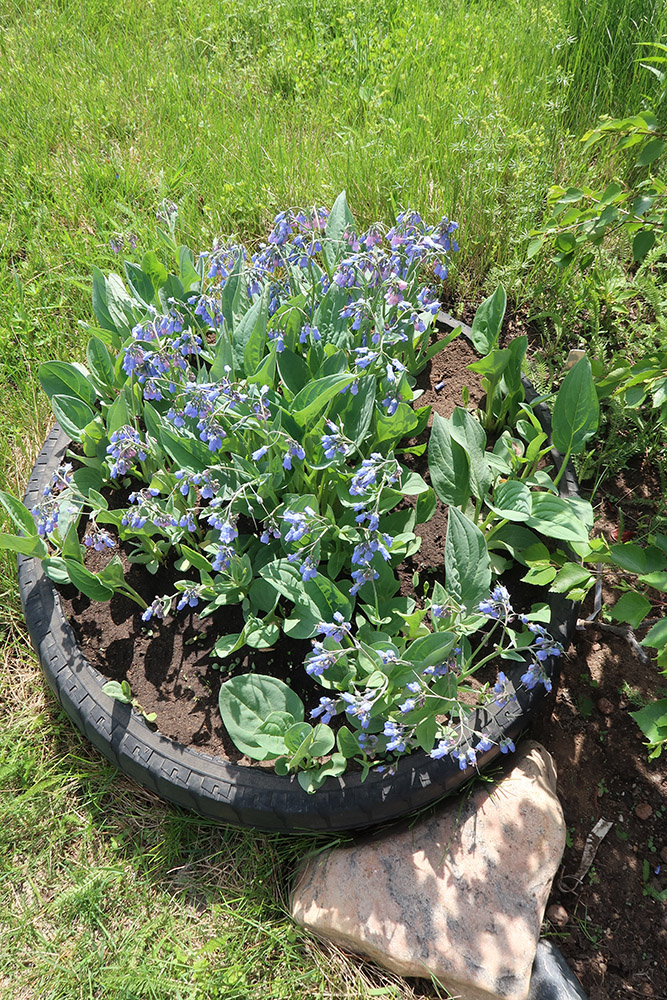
613,934
610,928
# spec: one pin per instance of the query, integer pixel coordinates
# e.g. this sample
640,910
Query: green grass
470,108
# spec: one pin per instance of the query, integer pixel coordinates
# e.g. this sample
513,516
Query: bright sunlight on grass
470,108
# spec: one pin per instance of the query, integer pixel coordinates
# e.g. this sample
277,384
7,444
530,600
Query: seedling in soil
123,693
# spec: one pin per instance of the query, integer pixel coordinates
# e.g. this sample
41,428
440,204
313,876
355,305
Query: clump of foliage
243,421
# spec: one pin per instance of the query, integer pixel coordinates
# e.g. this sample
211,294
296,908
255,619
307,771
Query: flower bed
247,421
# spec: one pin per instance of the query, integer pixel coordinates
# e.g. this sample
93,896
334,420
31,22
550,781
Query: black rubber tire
215,788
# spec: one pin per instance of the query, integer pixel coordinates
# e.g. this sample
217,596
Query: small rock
558,915
596,646
605,706
663,854
643,811
552,977
459,895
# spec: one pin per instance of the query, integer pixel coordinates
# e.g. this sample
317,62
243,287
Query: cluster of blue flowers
125,448
261,484
47,510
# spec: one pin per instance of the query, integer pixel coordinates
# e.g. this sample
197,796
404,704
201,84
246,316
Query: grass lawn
470,108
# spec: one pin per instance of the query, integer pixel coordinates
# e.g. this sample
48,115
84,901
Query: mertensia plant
244,423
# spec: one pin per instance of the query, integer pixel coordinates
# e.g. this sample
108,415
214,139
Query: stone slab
459,895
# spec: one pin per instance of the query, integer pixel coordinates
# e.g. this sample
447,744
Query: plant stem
563,467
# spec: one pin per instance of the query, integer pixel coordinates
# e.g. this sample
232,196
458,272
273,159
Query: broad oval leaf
471,436
312,399
576,410
72,414
448,464
87,582
554,517
245,703
19,513
511,500
100,363
63,379
340,217
467,563
140,283
31,545
488,321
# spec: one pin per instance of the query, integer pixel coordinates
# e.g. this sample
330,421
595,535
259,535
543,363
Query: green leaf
425,733
89,480
56,569
311,400
265,373
469,433
347,743
228,644
87,582
430,649
63,379
100,307
426,506
632,608
571,195
511,500
571,575
118,691
117,414
448,464
327,597
155,270
31,545
323,740
187,451
656,580
356,411
190,277
629,557
233,295
339,219
246,701
99,361
467,564
140,283
554,517
652,720
610,194
286,579
19,513
196,558
650,152
488,321
294,371
392,429
72,414
314,777
576,410
642,243
657,636
539,576
262,636
119,304
249,336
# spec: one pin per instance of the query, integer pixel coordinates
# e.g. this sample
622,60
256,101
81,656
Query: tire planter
231,793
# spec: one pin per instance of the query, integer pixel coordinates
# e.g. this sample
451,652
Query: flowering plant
241,421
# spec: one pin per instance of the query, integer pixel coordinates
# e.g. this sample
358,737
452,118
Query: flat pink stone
458,895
